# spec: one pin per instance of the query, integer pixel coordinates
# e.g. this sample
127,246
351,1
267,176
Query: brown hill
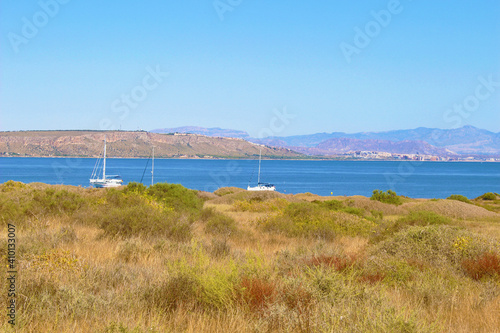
130,144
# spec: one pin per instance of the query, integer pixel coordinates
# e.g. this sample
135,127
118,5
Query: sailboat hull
104,183
262,187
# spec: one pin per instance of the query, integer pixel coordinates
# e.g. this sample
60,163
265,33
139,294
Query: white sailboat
261,186
105,181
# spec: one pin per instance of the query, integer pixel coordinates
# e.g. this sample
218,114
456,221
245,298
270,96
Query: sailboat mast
260,156
153,167
104,165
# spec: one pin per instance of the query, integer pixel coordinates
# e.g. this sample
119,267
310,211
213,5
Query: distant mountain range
131,144
467,140
199,142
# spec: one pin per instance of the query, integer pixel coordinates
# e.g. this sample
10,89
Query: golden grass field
168,259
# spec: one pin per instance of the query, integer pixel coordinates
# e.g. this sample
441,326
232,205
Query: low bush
144,220
135,187
227,190
256,293
339,263
330,204
424,218
389,197
488,196
217,223
414,218
176,197
459,197
377,214
258,204
52,201
311,220
179,289
486,264
19,203
438,246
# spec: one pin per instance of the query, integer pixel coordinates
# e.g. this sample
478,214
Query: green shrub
420,218
377,214
354,210
389,197
176,196
218,223
11,210
11,185
423,218
221,225
330,204
135,187
488,196
337,205
459,197
20,203
144,220
311,220
54,202
440,246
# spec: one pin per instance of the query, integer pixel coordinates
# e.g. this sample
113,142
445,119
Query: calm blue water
413,179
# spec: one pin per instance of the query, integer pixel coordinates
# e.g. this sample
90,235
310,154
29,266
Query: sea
416,179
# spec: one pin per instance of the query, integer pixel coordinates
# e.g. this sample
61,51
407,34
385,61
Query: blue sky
281,68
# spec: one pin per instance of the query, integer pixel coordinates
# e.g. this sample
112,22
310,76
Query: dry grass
456,209
231,275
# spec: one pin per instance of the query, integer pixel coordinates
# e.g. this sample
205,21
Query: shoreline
318,159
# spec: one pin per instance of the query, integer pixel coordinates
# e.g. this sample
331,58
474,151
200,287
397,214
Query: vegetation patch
86,255
484,265
488,196
260,205
389,197
459,197
311,220
338,263
217,223
256,293
414,218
